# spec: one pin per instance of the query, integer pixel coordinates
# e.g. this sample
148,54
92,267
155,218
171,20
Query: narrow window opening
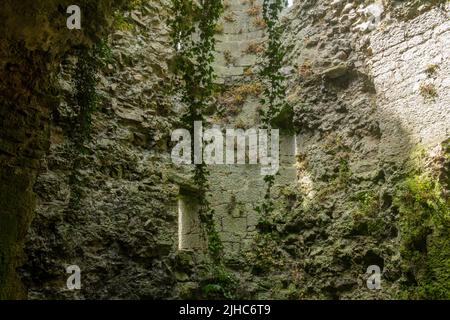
190,235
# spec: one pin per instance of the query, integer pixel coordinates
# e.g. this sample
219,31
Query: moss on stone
424,220
221,285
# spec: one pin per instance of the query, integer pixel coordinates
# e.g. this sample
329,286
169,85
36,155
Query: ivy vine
273,95
193,27
90,61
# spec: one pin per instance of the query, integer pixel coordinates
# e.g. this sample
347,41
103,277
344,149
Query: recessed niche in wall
190,235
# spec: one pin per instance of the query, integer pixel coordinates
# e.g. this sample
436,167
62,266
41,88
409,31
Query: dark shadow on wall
356,154
33,39
109,204
25,101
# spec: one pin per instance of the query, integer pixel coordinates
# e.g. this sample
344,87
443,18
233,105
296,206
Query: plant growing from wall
193,26
259,23
90,61
254,48
424,220
229,59
254,10
428,91
266,254
273,95
431,69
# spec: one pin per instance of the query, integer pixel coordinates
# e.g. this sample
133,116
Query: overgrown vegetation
121,22
368,203
90,61
222,285
231,100
431,69
254,10
193,38
254,48
266,254
219,28
273,95
259,22
424,219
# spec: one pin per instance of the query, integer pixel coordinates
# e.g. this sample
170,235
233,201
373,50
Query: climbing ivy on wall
274,90
423,205
193,26
90,61
273,97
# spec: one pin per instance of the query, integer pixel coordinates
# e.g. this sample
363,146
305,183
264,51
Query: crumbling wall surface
237,190
33,39
107,205
355,74
368,83
410,68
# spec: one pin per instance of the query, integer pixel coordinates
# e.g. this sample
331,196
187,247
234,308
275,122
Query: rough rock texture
110,207
368,84
349,84
358,110
33,39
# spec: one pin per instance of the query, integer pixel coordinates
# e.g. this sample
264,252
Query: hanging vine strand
193,29
273,98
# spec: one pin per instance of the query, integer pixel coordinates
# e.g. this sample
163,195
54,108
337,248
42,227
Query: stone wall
33,39
367,83
409,64
237,190
108,204
355,80
190,230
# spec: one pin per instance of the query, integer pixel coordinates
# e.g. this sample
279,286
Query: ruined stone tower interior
358,91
